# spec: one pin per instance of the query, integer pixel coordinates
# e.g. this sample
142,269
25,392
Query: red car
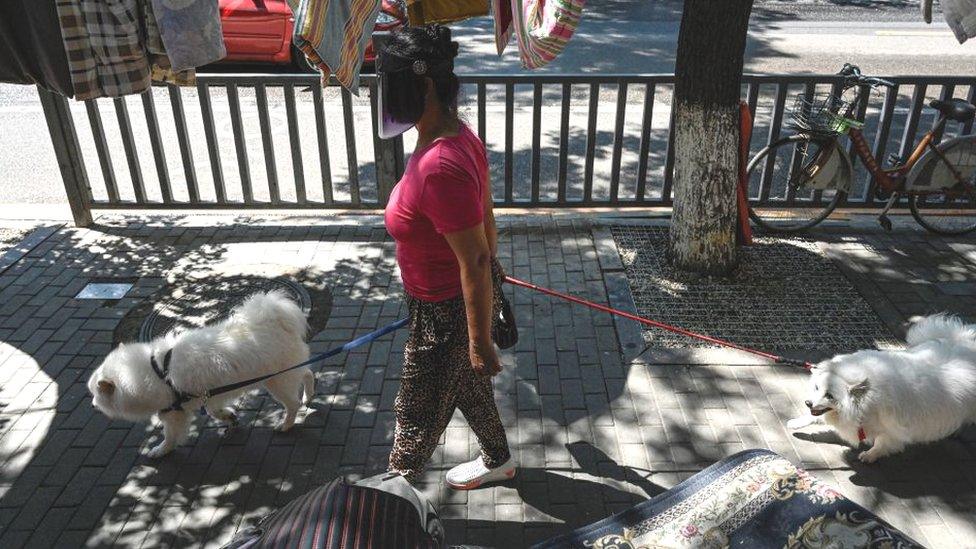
261,30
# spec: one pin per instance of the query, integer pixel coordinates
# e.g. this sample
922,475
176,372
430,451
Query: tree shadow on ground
561,500
88,472
906,272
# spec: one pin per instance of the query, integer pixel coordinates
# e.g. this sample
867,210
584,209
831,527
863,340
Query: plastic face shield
387,63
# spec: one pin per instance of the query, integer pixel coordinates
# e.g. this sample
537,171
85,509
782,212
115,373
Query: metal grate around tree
785,294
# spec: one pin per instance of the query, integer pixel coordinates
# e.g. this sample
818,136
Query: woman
440,214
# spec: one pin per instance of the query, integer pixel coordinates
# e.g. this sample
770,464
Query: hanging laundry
31,49
119,47
501,10
543,28
428,12
926,8
190,31
160,65
961,16
333,35
105,52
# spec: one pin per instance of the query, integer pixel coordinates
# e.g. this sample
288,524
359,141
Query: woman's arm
474,256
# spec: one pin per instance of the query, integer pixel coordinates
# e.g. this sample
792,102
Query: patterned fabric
339,516
333,35
117,47
753,499
191,32
106,57
160,65
427,12
502,12
437,378
543,28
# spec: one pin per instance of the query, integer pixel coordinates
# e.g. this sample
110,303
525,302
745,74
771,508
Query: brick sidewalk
596,423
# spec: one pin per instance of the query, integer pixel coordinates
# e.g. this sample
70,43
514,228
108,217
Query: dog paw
796,424
158,452
285,426
868,456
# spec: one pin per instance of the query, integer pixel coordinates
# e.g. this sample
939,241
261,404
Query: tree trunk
708,74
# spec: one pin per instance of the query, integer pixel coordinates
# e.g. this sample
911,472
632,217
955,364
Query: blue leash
362,340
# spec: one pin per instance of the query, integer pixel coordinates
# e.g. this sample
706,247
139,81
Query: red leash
775,358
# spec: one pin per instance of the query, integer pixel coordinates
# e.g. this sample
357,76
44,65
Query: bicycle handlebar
853,77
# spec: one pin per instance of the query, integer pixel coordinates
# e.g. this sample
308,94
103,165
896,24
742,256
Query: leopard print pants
437,378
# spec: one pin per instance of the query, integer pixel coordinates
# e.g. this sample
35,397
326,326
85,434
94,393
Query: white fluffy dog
263,335
920,394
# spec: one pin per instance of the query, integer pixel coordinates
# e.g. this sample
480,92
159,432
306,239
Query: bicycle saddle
959,110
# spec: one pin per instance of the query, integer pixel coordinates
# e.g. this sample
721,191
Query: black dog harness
179,397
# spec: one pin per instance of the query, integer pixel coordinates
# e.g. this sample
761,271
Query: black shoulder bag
504,331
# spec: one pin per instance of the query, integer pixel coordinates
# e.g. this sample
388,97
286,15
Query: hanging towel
106,57
543,28
191,32
427,12
160,65
31,48
333,35
961,16
501,10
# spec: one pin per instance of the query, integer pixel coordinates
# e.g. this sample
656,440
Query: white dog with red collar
891,399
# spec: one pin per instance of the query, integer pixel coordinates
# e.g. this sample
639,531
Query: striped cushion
340,516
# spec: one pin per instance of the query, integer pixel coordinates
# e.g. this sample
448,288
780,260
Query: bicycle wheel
789,206
946,213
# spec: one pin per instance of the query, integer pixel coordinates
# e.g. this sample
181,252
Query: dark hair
432,45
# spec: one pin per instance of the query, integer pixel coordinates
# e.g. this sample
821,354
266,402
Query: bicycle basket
821,114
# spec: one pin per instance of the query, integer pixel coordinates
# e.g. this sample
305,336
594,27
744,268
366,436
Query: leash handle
653,323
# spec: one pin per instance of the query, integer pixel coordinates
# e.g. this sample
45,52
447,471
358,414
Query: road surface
616,36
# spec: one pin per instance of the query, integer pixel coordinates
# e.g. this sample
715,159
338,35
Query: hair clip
420,67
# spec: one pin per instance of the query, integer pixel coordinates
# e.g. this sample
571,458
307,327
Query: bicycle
939,180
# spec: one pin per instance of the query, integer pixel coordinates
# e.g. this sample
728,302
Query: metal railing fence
283,142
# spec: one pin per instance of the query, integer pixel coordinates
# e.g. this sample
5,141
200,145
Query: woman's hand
484,359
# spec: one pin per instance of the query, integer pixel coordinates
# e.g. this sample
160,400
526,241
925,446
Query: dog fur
265,334
899,397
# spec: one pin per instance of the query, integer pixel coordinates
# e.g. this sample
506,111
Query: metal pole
61,128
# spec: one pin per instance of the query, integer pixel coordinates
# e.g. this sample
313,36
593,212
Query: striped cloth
333,35
543,28
340,516
502,12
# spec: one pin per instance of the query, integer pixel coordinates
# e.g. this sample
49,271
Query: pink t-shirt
442,191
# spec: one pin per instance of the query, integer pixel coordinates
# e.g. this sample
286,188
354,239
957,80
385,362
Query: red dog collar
861,435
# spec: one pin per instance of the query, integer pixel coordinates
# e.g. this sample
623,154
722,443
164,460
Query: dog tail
278,309
941,326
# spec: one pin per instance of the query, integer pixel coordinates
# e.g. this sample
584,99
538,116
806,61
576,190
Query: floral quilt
754,499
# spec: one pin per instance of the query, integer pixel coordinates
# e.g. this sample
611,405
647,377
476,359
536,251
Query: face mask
387,63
